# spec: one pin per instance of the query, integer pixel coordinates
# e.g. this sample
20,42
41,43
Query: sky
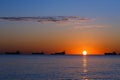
60,25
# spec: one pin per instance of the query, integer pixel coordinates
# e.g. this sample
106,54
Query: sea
59,67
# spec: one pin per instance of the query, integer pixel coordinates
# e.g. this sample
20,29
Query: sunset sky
60,25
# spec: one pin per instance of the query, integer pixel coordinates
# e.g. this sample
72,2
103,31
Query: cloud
76,22
91,26
44,19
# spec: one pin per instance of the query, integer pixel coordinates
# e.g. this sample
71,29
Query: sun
84,52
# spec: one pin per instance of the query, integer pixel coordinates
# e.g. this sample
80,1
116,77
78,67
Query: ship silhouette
113,53
17,52
38,53
59,53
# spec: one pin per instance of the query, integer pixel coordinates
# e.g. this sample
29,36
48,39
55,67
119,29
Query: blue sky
108,8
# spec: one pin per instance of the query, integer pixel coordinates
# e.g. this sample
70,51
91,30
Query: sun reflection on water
85,71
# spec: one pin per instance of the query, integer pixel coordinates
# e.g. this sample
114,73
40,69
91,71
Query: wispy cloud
55,19
90,26
76,22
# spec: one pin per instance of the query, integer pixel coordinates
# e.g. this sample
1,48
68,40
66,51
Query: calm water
36,67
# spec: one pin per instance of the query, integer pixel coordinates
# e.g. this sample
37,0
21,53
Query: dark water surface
48,67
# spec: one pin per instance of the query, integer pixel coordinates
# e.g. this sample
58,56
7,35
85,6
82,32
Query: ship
38,53
17,52
59,53
113,53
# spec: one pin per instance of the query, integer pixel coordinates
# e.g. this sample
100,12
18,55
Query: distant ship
38,53
17,52
59,53
113,53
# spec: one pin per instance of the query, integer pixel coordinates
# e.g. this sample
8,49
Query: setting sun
84,52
